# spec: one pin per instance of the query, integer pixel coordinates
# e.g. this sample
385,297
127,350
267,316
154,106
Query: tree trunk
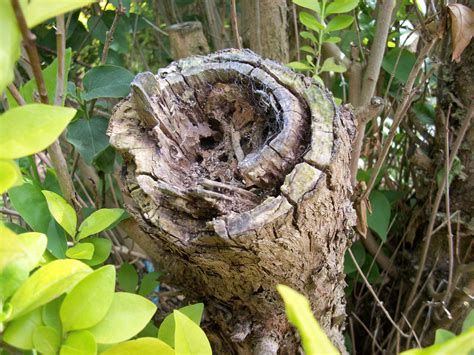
265,28
186,39
238,173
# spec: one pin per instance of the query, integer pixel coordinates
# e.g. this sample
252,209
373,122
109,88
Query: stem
235,27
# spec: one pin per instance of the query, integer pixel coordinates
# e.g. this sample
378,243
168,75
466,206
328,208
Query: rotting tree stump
238,173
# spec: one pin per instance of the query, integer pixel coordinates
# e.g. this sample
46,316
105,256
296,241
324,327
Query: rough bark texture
238,172
264,28
186,39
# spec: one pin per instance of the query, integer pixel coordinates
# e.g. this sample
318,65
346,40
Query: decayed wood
187,38
238,169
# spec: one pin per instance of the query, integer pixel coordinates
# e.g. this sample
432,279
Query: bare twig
297,35
16,94
436,203
372,71
109,37
235,27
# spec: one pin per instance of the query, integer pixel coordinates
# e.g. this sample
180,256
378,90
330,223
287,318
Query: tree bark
265,28
238,174
186,39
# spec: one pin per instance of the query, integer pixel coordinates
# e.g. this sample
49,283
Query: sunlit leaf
10,175
309,4
167,327
341,6
102,249
19,332
127,316
39,125
62,212
299,66
95,289
10,39
330,65
99,221
310,22
142,346
300,315
46,340
339,22
189,337
81,251
79,343
443,335
46,284
38,11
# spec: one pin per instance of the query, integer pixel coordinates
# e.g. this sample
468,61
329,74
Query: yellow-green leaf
300,315
79,343
81,251
46,340
62,212
330,65
29,129
46,284
10,175
38,11
10,39
127,316
339,22
189,338
19,333
95,289
341,6
168,326
98,221
142,346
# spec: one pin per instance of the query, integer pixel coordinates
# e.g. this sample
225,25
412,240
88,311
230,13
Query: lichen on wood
238,171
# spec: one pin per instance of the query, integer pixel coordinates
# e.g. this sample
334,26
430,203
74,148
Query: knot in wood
223,143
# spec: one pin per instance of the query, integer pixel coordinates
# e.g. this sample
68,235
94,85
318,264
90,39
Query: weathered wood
187,38
238,169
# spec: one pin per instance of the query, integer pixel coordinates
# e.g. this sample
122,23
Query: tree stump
238,173
186,39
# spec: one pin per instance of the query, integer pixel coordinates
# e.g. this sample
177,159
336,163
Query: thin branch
29,40
235,27
436,203
109,37
297,35
16,94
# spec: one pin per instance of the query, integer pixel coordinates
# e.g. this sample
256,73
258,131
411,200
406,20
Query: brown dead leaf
462,28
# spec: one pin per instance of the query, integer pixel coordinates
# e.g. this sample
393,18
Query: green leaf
19,333
425,112
99,221
167,327
38,11
300,315
126,317
46,284
81,251
142,346
29,201
330,65
102,249
309,36
149,283
88,136
62,212
10,175
459,345
341,6
308,49
104,160
299,66
443,335
358,251
107,81
399,65
469,321
379,219
189,337
10,38
309,4
39,125
339,22
128,278
95,289
29,91
310,22
79,343
334,39
46,340
50,314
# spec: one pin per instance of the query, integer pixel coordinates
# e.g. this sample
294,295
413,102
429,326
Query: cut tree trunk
238,173
186,39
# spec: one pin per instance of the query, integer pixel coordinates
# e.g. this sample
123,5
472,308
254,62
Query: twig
400,112
436,203
297,35
110,33
374,340
16,94
29,40
9,212
377,300
235,27
372,71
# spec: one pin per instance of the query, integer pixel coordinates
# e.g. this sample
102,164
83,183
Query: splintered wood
237,167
